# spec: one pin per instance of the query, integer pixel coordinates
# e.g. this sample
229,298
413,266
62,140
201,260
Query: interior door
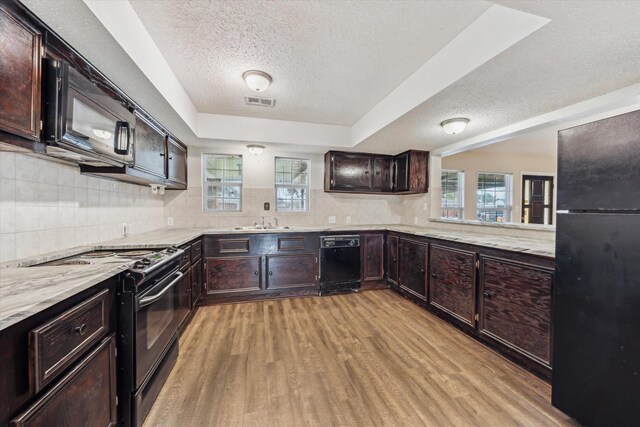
537,199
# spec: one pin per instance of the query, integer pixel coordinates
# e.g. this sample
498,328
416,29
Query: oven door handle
153,298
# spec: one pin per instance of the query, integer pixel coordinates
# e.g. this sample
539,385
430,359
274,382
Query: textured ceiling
589,48
331,61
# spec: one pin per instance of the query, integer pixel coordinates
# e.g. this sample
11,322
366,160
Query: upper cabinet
20,79
150,147
176,164
411,172
406,173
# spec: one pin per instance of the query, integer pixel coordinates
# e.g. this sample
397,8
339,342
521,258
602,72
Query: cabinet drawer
86,396
185,258
57,344
196,251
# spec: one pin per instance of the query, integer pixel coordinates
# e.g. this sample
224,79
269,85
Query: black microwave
82,122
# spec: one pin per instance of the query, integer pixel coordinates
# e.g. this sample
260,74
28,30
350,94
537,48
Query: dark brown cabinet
413,267
150,147
20,77
233,274
382,174
176,163
515,306
291,271
372,257
196,283
349,171
184,308
406,173
86,396
392,259
411,172
452,286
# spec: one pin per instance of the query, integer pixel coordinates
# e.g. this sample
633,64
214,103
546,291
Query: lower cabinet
86,396
392,259
196,283
372,257
452,285
291,271
515,306
413,267
233,274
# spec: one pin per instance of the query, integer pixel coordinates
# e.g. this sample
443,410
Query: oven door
157,321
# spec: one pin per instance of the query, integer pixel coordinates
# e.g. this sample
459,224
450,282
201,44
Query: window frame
206,184
508,208
306,186
460,208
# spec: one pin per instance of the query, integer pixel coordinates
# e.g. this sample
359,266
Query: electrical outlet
126,229
332,219
348,220
170,221
415,220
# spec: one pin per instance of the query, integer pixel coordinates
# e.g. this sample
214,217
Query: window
494,197
452,202
292,184
222,182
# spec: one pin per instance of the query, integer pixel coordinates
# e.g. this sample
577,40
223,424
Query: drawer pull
255,272
271,273
486,294
81,330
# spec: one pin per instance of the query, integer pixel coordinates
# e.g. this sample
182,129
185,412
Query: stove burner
68,262
97,254
131,254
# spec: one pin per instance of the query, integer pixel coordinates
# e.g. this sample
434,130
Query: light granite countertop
26,291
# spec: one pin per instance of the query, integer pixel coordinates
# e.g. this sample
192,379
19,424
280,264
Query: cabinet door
350,171
382,174
149,147
196,282
291,271
176,162
515,306
413,267
20,57
401,174
392,259
185,296
233,274
372,257
86,396
452,287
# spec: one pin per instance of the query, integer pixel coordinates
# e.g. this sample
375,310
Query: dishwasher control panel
343,241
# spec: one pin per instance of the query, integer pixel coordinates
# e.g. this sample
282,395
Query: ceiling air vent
256,100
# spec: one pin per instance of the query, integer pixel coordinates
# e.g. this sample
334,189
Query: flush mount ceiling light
454,126
255,149
257,80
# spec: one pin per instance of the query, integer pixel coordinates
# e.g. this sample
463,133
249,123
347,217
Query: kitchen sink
264,227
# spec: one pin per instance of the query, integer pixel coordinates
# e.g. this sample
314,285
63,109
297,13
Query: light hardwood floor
365,359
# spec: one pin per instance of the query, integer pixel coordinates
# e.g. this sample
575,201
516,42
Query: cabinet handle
161,154
81,330
377,172
434,275
486,294
368,256
170,158
271,273
255,272
422,270
395,260
366,172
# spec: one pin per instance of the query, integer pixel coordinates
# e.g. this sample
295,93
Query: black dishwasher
339,263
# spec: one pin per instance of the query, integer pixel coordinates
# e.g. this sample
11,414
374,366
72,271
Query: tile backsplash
47,206
186,209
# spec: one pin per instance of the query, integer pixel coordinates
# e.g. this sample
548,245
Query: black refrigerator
596,298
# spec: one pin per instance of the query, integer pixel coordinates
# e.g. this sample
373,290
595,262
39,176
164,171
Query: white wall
476,161
47,206
258,187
